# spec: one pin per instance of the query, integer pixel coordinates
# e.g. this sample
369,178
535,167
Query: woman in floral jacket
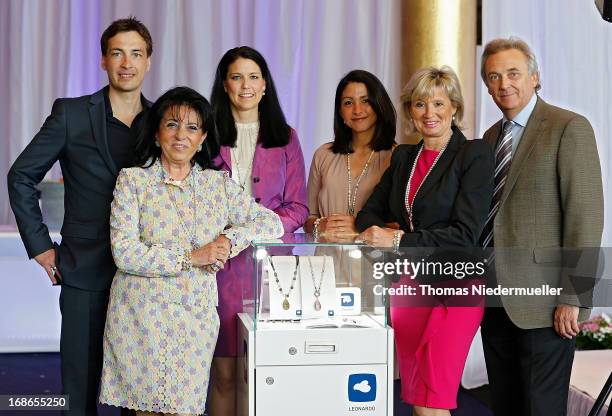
174,223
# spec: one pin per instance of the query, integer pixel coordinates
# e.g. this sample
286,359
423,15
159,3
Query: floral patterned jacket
152,226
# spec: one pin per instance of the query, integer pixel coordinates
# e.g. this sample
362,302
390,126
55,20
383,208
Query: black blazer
452,204
74,134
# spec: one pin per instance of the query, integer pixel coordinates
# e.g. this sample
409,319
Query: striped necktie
503,158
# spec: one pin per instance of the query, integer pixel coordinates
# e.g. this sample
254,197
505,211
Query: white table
30,319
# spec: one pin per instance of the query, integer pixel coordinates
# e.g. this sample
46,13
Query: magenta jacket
279,180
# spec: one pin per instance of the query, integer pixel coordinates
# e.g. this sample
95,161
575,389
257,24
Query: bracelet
186,263
397,237
315,230
230,242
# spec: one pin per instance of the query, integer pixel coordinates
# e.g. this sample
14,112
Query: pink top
328,181
423,164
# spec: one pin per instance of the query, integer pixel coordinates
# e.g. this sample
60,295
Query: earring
156,143
263,93
200,147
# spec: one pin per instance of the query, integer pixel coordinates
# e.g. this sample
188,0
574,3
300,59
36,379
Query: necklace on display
317,288
286,304
352,192
192,232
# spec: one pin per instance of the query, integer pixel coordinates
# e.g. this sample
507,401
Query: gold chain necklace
352,193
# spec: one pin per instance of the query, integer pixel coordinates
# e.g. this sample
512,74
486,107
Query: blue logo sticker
362,387
347,299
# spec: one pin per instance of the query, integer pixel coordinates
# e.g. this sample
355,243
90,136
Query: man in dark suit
548,198
93,137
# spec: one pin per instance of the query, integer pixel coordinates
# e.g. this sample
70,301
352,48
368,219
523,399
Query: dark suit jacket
452,204
74,134
552,198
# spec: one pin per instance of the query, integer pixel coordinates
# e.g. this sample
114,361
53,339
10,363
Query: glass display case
314,322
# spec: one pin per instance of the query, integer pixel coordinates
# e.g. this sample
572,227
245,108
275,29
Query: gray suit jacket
552,198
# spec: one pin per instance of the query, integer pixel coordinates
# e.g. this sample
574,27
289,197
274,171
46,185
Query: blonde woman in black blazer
439,192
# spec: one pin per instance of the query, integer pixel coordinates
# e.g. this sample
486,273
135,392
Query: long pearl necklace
407,198
352,192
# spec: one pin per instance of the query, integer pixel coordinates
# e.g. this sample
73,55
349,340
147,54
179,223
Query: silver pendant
317,305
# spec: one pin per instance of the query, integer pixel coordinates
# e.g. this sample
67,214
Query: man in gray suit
548,198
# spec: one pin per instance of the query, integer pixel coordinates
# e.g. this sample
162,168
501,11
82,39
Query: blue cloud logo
362,387
347,299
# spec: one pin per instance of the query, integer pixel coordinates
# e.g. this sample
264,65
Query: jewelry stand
341,365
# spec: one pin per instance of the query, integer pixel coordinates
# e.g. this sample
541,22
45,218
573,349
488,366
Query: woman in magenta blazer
262,154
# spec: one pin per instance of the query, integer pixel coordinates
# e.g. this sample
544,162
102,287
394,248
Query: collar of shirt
168,180
109,109
520,121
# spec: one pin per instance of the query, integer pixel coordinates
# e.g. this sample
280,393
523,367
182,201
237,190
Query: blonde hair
422,85
503,44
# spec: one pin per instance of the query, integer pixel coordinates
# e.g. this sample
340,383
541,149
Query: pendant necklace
250,131
241,182
286,304
317,289
407,197
192,232
352,192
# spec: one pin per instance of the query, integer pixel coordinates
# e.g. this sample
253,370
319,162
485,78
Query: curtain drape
51,49
572,46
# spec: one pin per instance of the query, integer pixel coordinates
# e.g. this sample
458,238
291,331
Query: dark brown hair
273,128
384,132
131,24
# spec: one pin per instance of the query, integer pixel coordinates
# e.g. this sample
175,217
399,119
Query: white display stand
318,363
287,368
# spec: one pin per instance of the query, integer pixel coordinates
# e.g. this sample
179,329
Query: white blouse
243,153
